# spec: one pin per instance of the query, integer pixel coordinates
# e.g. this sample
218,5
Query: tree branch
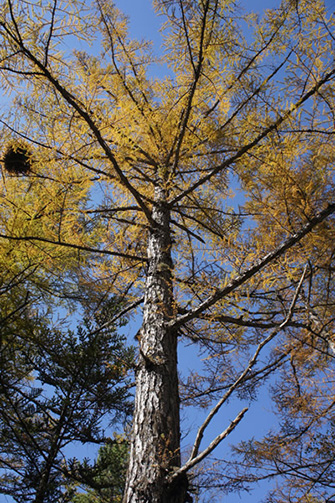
74,246
246,148
195,458
77,106
255,268
194,461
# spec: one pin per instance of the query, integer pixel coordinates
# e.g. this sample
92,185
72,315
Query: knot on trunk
177,490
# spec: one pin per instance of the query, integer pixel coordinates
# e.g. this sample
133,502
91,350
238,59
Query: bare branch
195,458
119,315
194,461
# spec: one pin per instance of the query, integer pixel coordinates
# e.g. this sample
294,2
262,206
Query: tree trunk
155,445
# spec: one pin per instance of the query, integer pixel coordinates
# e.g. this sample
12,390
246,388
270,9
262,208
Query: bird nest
17,159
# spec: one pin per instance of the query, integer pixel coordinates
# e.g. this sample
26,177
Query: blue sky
145,24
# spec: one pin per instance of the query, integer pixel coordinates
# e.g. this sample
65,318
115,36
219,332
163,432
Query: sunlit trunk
155,447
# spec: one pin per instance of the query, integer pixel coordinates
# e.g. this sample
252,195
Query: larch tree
128,180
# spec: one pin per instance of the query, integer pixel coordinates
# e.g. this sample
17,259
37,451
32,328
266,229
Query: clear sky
145,24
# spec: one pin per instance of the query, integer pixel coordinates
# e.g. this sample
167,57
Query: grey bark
155,445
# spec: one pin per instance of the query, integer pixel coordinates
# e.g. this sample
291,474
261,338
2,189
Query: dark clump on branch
17,159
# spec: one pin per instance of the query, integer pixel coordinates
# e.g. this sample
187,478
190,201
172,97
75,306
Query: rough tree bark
155,446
